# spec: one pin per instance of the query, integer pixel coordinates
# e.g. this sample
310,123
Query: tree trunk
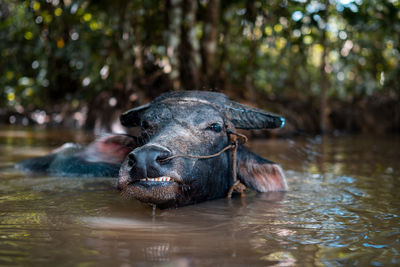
324,108
209,40
126,45
188,54
251,14
173,39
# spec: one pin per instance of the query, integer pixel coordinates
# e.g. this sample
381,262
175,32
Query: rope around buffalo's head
235,139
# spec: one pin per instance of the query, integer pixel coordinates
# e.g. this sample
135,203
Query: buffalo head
195,123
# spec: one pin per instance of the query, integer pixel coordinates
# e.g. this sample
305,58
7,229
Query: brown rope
237,186
200,157
235,139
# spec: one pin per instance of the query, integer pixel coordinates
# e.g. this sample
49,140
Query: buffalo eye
215,127
145,125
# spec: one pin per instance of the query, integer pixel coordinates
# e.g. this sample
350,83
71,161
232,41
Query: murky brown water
342,208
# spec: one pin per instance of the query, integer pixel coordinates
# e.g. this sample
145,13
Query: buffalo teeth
159,179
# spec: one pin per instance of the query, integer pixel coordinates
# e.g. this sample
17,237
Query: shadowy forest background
326,65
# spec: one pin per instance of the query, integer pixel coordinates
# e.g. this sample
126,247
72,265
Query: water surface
342,208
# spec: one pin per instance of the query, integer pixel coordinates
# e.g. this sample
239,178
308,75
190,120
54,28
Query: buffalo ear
258,173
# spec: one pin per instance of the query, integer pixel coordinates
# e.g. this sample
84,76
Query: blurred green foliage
57,50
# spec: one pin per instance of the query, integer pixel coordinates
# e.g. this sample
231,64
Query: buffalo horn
245,117
131,117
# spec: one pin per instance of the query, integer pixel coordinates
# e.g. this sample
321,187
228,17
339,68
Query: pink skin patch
110,149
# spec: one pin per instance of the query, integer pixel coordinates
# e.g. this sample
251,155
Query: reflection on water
342,208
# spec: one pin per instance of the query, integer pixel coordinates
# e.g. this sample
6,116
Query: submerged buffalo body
153,167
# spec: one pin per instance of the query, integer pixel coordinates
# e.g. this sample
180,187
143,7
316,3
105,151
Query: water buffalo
102,158
186,152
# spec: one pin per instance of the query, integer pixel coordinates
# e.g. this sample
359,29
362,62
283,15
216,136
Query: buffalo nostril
163,157
131,160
